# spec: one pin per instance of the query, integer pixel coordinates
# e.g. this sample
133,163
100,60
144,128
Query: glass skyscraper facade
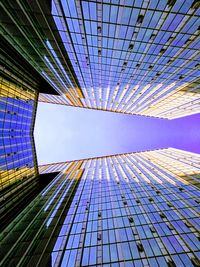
138,57
20,85
130,56
138,209
18,168
17,108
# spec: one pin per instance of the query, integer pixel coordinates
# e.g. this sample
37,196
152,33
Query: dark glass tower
20,85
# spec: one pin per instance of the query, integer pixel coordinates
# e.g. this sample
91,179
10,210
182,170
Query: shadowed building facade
20,85
138,209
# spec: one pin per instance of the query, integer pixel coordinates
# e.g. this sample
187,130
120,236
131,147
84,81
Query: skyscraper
129,56
138,209
136,57
20,85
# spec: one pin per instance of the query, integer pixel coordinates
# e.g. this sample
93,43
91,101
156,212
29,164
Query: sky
65,133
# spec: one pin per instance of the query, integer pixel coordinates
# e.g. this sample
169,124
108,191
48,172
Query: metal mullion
85,44
12,18
74,183
129,53
41,40
141,8
112,89
60,6
28,227
164,196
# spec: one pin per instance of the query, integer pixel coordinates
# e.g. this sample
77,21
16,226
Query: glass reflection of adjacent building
17,115
139,209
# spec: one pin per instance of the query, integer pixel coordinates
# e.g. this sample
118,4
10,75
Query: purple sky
67,133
